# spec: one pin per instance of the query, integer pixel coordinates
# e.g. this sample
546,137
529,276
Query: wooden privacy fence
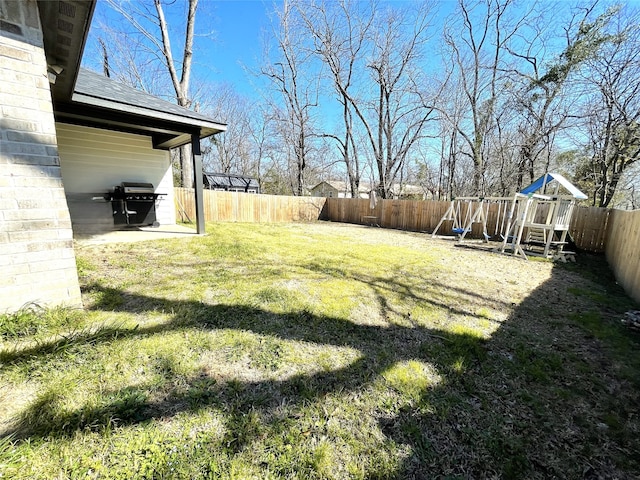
246,207
588,224
615,232
623,249
413,215
588,228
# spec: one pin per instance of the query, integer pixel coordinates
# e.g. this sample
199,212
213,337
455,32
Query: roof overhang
65,26
166,131
86,98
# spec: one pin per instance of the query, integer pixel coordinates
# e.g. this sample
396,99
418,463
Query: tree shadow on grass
557,395
547,396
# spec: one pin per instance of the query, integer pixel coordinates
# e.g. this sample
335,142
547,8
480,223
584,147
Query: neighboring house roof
342,186
225,180
324,185
365,188
550,177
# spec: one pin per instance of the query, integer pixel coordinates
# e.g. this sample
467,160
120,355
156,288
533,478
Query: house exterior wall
337,189
94,161
324,189
37,259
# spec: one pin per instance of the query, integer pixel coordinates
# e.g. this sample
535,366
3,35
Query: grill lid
134,187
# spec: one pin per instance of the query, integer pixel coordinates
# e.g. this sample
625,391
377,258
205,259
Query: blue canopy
550,177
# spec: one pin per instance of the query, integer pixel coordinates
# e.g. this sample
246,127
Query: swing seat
458,231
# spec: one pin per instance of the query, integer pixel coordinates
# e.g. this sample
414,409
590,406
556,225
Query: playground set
529,223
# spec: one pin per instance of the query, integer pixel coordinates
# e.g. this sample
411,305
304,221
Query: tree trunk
186,167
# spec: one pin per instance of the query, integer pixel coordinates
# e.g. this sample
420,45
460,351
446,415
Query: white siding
94,161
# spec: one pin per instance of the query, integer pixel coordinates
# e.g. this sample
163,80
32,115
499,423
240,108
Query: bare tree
541,101
106,70
628,190
291,76
468,52
127,58
153,36
231,151
261,140
339,31
396,115
451,106
613,111
477,40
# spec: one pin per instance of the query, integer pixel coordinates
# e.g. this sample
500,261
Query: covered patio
111,133
89,100
70,137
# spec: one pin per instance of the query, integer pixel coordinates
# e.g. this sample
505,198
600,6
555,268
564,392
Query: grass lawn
322,351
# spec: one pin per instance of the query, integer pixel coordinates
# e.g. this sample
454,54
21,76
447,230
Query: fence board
589,228
243,207
615,232
623,249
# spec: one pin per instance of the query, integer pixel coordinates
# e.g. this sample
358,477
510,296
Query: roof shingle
97,90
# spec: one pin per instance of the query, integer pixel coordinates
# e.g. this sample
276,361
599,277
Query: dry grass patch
322,351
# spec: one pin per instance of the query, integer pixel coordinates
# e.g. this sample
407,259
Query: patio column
197,173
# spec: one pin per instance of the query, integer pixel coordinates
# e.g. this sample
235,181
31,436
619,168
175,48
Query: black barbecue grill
134,204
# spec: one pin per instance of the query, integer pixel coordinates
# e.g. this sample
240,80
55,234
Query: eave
98,101
65,25
166,133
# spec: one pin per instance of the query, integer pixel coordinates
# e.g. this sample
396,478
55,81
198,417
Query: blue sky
239,27
237,39
229,38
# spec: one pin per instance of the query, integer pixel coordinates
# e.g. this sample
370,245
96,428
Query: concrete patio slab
137,234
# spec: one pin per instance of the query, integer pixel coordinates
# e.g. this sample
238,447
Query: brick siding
37,258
